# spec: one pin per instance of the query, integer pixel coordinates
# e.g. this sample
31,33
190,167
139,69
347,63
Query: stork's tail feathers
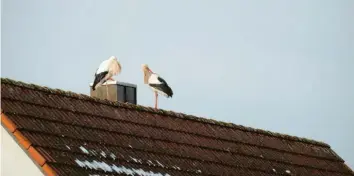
97,83
169,92
94,85
98,78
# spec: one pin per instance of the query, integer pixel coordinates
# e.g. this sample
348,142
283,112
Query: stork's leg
107,91
156,96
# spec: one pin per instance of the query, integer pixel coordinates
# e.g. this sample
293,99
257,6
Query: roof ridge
160,111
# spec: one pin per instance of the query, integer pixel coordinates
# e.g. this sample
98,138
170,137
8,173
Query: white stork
106,71
156,83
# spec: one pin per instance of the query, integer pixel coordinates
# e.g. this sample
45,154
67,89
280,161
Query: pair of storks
112,67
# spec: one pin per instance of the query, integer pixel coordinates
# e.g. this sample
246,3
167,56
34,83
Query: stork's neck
147,75
151,72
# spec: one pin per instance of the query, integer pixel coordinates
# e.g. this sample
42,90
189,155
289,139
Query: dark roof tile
81,135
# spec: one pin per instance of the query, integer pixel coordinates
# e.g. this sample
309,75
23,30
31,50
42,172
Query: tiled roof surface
79,135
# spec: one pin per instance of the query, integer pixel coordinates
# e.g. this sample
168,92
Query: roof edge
109,82
159,111
26,146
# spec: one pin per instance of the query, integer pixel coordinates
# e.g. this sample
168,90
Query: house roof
67,133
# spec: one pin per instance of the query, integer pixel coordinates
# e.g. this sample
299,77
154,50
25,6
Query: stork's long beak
147,73
146,77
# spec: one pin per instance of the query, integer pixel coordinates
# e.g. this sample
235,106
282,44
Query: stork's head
115,65
145,67
113,58
147,72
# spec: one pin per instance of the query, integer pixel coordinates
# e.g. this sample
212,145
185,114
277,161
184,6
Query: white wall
14,161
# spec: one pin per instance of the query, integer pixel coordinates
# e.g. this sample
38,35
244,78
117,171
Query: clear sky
284,66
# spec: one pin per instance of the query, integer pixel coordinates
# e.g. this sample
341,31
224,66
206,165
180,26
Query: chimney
117,91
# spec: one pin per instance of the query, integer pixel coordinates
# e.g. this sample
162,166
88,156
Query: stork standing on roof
156,83
107,69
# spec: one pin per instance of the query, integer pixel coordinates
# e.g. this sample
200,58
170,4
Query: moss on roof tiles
159,111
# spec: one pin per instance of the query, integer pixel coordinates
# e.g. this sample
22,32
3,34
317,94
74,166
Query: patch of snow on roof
103,154
93,152
104,166
288,171
142,172
199,171
159,163
136,160
89,165
97,165
113,156
68,147
176,167
274,170
80,163
149,162
83,149
130,146
121,170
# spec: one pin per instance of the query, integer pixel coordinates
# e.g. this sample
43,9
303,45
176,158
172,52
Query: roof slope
79,135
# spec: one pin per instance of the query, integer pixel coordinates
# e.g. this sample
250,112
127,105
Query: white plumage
111,65
106,71
153,80
156,83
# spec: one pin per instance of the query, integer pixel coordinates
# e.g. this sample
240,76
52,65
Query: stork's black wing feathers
161,80
98,78
163,86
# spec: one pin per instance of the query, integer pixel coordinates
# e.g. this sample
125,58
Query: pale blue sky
284,66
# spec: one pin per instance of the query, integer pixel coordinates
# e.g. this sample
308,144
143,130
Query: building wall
14,160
